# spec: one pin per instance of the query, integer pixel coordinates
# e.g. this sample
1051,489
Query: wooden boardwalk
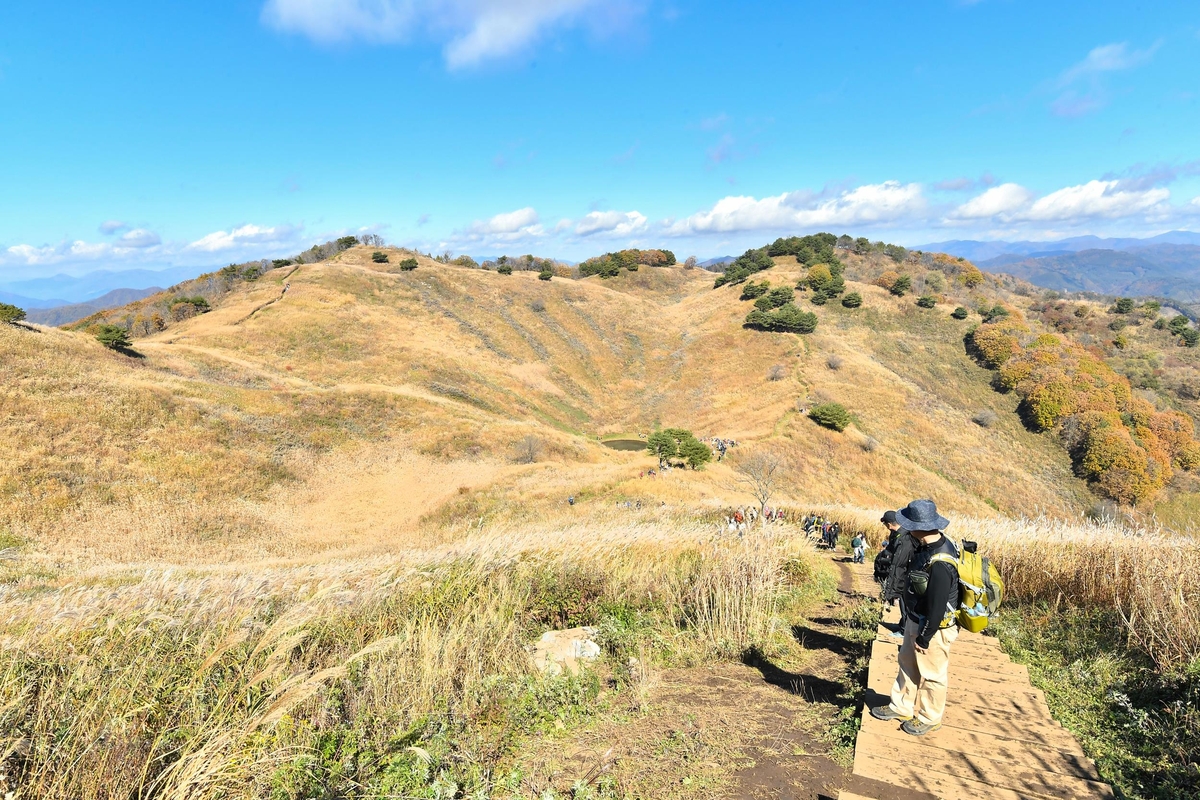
997,740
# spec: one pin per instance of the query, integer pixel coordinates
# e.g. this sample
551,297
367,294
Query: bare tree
690,263
528,450
761,472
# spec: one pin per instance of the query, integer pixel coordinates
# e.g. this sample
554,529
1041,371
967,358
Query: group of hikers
938,588
741,518
721,446
827,530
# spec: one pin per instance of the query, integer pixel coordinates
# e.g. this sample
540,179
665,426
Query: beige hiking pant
920,689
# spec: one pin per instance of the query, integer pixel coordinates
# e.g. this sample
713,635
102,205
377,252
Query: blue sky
150,134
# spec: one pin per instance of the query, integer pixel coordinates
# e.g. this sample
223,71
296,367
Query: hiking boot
915,728
886,714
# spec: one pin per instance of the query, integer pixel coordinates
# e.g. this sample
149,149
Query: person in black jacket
891,566
930,600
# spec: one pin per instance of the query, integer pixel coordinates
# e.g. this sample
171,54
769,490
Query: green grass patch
1142,727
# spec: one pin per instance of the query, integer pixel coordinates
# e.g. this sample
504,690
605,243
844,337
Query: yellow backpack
980,587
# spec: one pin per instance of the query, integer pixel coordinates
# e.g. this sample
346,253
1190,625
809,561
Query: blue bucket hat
921,515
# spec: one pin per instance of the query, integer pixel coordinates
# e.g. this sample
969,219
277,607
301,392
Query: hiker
893,565
930,626
571,500
860,548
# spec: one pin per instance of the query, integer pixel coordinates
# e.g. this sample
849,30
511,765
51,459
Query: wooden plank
960,677
930,778
889,653
1043,759
1020,730
1010,773
861,788
1010,700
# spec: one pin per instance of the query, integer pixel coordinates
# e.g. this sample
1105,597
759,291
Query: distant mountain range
66,314
59,290
1167,265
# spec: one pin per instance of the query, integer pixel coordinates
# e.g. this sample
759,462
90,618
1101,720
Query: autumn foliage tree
1118,441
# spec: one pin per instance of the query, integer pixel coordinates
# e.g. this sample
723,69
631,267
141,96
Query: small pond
625,444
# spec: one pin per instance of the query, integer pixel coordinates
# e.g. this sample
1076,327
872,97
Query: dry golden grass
209,684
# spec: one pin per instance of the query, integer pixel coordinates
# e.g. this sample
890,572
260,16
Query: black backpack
883,565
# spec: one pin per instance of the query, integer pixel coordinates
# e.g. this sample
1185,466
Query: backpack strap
989,587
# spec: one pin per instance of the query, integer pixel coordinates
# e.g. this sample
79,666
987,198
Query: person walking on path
931,597
860,548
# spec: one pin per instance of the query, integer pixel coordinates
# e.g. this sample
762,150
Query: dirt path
759,730
796,763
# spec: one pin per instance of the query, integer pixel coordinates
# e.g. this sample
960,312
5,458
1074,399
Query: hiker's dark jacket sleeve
943,579
897,581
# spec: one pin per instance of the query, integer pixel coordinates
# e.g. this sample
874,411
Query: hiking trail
997,739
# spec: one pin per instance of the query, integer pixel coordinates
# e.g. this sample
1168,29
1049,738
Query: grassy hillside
294,545
224,420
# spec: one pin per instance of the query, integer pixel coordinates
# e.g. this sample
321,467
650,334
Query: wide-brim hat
921,515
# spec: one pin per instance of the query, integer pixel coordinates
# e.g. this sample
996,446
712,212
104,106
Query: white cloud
502,27
1107,58
868,205
997,201
139,238
477,30
509,222
242,236
1096,199
509,227
1091,71
111,226
78,250
611,223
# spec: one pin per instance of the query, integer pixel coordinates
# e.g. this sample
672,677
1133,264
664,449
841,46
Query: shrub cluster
669,443
753,291
11,314
776,298
114,337
407,264
830,415
1124,447
959,269
996,343
852,300
526,263
609,265
379,257
959,313
814,249
744,266
825,280
785,319
926,301
862,246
